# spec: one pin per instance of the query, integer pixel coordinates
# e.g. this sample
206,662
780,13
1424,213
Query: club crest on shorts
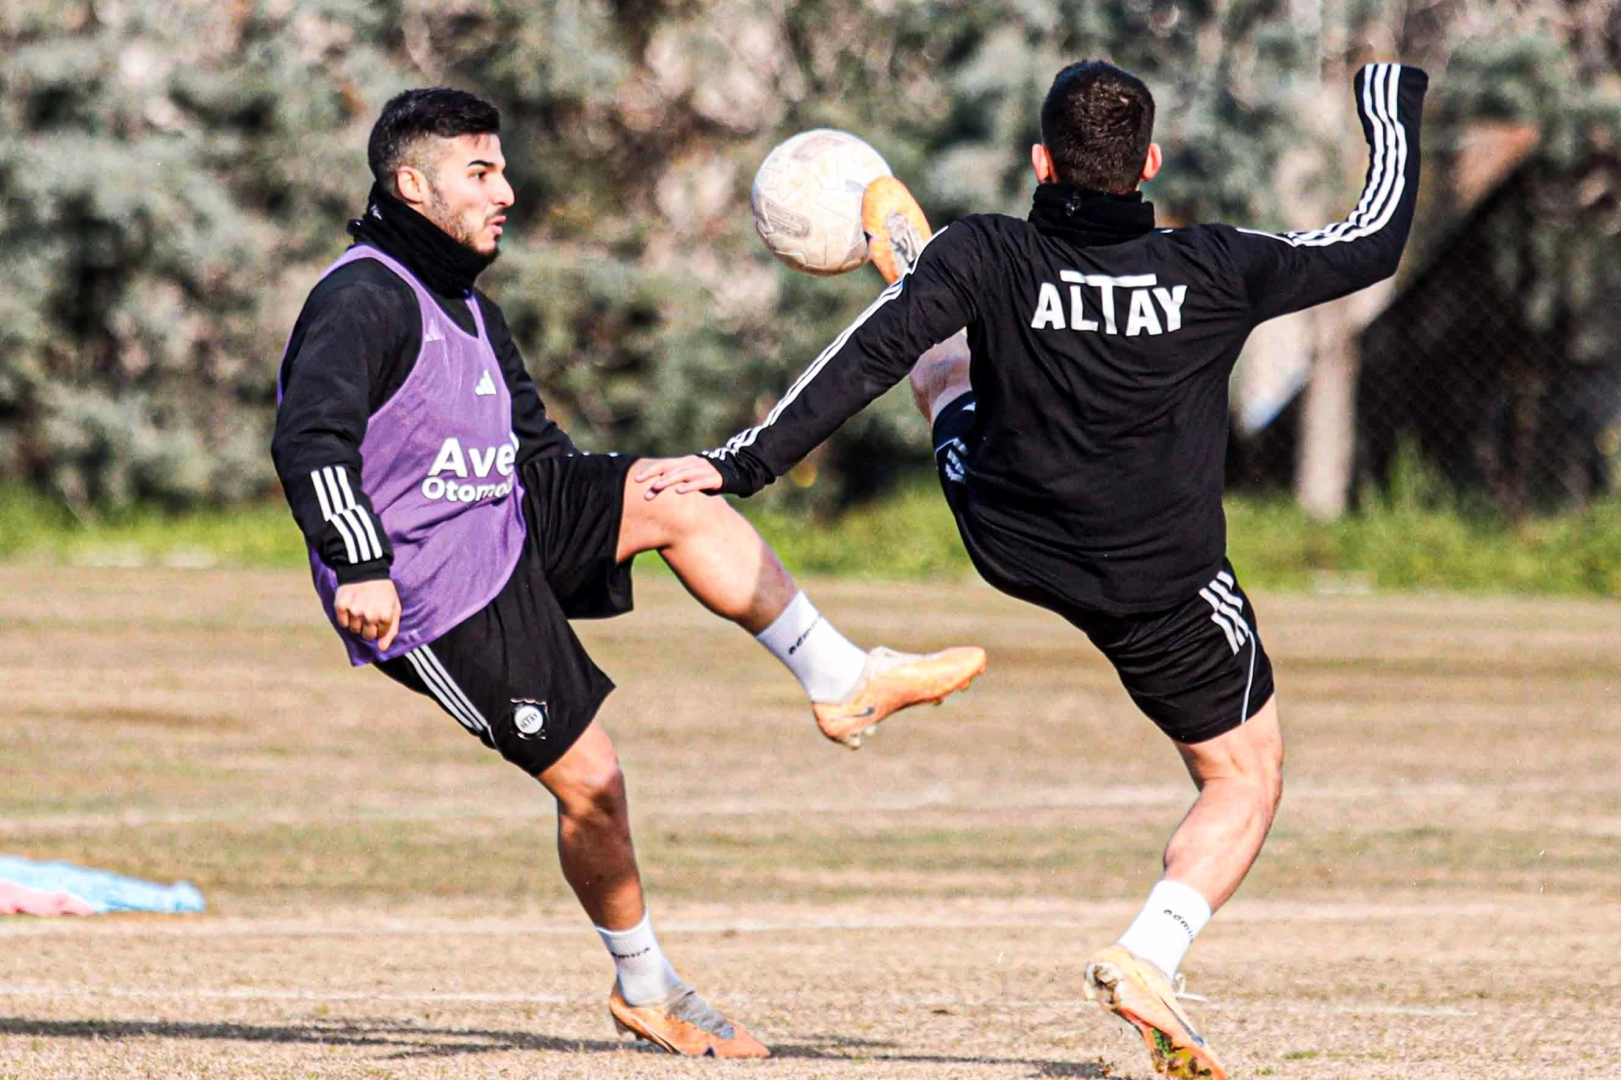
530,718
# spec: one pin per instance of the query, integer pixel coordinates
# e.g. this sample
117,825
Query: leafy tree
173,177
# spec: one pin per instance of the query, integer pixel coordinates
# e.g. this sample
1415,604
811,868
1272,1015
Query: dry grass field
1441,897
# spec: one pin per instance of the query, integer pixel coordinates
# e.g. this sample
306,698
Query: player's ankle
645,974
1165,928
824,661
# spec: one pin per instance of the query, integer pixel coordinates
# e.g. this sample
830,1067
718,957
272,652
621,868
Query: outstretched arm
874,353
1286,272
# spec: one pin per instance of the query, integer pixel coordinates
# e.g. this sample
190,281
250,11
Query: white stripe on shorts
444,676
1244,709
444,690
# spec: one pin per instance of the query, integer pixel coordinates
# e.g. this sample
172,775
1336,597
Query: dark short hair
1097,123
416,114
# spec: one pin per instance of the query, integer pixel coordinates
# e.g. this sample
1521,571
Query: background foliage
173,177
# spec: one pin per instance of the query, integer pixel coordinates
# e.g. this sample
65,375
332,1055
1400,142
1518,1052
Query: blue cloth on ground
101,889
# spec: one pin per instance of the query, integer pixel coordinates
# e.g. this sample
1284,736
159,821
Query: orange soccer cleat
893,681
895,226
684,1023
1141,995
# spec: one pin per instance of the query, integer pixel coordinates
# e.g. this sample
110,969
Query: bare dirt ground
1441,897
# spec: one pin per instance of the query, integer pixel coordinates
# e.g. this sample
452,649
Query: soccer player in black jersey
1080,424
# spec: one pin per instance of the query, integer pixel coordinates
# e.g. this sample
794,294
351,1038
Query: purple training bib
439,462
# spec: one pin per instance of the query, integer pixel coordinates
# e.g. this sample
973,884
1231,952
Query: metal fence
1497,364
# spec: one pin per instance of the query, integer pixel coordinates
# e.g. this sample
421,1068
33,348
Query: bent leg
1201,673
718,555
1240,781
731,570
940,375
720,558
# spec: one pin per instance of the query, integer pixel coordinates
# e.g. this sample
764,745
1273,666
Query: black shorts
1197,669
513,673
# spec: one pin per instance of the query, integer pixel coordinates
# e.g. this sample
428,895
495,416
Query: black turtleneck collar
1091,218
442,263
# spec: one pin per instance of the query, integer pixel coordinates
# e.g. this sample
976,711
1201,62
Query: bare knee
1246,760
941,375
655,524
588,782
692,516
598,795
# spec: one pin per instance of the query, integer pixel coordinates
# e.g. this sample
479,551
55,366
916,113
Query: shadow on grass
413,1041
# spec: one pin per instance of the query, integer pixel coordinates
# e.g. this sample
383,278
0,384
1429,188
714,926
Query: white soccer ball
807,200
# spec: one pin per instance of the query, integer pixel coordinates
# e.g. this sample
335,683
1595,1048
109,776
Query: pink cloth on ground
16,900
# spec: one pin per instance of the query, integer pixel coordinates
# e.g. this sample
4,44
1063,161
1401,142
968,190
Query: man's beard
456,228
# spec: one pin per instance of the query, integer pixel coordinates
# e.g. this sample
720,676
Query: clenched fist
370,609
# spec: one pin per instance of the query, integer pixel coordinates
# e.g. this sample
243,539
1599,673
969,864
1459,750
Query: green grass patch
908,535
1418,536
1411,539
35,527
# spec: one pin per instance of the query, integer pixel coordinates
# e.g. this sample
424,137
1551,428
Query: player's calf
1239,775
593,830
594,845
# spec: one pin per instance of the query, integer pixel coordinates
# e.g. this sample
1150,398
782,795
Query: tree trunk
1328,417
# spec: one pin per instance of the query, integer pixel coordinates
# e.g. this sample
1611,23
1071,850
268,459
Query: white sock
824,661
645,976
1167,925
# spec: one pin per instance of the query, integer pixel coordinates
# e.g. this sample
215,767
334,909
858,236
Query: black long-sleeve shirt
354,344
1102,348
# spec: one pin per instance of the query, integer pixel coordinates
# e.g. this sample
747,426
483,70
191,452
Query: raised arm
873,353
1285,272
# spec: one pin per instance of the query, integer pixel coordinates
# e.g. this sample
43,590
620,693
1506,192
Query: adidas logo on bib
486,385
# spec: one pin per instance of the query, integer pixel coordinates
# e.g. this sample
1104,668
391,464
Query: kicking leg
724,563
897,230
731,570
940,375
599,862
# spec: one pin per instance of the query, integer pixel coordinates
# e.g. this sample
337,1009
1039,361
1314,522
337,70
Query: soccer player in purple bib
454,530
